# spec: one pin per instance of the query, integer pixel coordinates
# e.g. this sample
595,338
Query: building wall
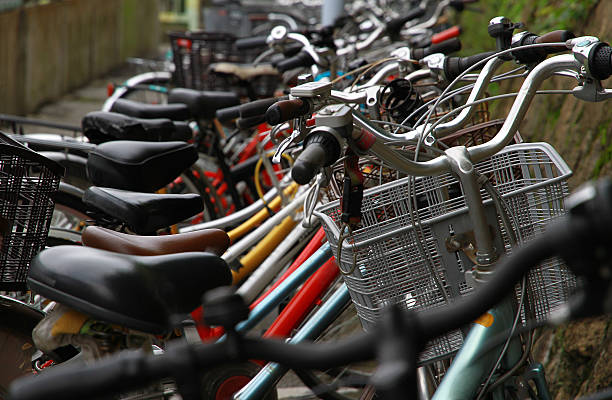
48,50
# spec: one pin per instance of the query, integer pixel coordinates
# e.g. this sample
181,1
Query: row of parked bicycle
368,206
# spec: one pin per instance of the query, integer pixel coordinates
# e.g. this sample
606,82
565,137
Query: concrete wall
49,50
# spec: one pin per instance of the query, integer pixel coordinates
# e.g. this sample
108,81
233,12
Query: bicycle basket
194,52
390,267
28,183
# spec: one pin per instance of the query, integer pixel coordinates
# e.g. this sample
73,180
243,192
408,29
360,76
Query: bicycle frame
273,372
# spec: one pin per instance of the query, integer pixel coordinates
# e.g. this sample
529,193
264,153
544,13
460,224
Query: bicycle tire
200,184
141,81
346,323
221,382
16,345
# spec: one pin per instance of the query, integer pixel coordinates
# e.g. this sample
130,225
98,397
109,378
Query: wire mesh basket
194,52
384,264
28,183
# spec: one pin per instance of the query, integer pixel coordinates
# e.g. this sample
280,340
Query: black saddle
139,292
139,166
101,127
203,104
144,213
175,112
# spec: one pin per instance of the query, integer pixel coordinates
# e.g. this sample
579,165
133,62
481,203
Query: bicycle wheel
220,383
194,181
16,346
60,237
346,383
150,87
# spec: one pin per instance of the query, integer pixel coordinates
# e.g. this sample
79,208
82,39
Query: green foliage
539,16
561,14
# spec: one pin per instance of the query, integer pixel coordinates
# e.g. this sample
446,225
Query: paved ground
71,108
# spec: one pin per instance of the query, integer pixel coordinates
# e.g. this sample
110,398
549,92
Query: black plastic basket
194,52
28,183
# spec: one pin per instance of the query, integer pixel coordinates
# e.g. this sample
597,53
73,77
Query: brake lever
297,135
591,90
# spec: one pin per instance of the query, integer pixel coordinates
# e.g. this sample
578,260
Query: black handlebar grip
321,149
600,61
538,54
228,113
258,107
301,59
247,123
251,43
285,110
291,49
448,46
395,25
454,66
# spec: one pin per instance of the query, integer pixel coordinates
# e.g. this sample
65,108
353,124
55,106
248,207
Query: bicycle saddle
139,166
203,104
213,241
175,112
244,72
144,213
100,127
138,292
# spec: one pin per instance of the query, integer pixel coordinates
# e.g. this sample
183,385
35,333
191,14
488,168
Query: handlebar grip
600,62
301,59
258,107
555,37
448,46
251,42
106,377
454,66
446,34
248,123
459,5
291,49
528,56
285,110
321,149
227,114
395,25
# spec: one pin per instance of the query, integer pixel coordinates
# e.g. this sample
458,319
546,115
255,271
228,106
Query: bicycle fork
475,361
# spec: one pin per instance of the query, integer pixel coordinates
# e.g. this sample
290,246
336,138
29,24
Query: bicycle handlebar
480,152
251,43
258,107
286,110
395,25
301,59
448,46
250,122
446,34
600,62
227,114
321,149
585,226
454,66
528,56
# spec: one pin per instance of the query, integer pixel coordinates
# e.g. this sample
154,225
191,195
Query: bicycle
402,332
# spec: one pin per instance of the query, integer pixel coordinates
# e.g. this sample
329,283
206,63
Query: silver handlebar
480,152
